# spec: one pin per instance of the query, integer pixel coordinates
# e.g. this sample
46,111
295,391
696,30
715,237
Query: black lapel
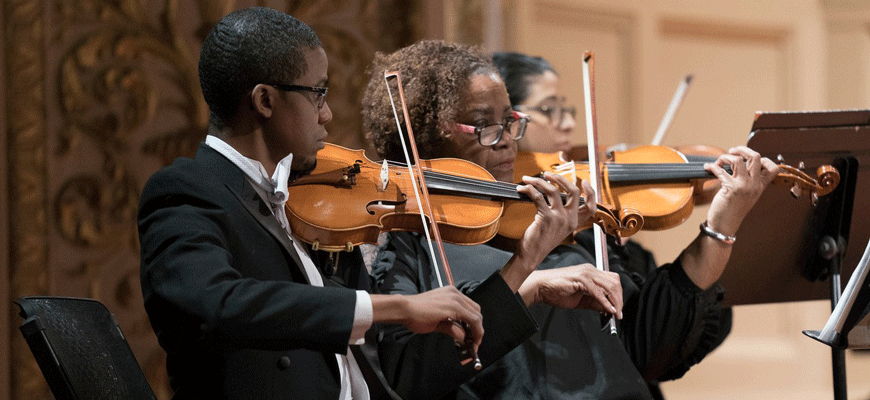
237,182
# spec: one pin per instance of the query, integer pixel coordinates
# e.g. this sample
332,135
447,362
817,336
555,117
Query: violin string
627,172
504,189
473,185
638,171
616,172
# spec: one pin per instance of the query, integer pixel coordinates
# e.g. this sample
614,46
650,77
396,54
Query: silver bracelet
716,235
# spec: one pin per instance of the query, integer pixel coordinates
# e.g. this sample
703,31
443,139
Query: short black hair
518,70
247,47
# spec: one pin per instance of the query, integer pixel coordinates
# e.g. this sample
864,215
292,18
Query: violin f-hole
385,206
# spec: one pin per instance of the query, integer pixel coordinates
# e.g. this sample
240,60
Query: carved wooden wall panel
848,61
100,94
28,252
560,32
611,36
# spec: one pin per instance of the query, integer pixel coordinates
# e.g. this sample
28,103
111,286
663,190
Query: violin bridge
567,170
385,176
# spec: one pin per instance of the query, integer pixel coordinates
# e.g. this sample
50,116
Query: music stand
787,247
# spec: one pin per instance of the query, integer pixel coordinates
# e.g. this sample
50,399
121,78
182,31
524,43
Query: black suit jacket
229,303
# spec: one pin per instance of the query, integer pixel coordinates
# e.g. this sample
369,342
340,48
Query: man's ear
262,100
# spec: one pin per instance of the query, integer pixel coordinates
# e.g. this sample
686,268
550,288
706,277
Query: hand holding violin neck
553,221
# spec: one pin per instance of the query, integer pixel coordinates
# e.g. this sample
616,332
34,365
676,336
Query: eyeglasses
555,114
319,92
491,134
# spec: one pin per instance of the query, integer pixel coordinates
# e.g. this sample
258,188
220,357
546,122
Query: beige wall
746,56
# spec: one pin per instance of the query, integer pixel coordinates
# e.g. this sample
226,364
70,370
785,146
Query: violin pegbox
826,181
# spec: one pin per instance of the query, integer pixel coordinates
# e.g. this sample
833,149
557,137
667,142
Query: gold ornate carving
23,21
110,96
351,33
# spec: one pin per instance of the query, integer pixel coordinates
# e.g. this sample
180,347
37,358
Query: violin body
705,189
354,200
661,204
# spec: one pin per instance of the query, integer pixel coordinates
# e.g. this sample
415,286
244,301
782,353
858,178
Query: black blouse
669,323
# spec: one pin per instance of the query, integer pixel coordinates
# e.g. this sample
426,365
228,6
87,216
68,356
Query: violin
705,189
357,198
659,183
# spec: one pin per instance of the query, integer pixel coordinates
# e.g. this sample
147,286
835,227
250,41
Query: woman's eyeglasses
490,135
555,114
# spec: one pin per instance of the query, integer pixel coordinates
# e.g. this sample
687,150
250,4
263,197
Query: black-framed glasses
319,92
491,134
555,114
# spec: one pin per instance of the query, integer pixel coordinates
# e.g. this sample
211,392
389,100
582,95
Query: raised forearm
705,260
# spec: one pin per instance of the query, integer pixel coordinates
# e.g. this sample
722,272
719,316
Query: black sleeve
428,366
669,323
193,250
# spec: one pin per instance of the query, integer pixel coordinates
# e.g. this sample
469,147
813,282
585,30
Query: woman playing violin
570,357
534,87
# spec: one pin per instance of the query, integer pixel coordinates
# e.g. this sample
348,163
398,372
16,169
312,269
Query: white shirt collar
276,186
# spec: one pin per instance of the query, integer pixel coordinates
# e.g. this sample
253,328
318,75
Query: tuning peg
780,159
801,165
814,198
796,191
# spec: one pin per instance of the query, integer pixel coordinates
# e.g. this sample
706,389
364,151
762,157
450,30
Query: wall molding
621,25
781,38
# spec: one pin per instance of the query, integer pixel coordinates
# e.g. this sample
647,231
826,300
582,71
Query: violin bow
415,170
676,101
595,177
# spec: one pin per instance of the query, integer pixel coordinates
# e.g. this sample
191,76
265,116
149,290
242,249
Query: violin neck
628,173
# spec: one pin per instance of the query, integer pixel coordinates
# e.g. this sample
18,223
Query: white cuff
362,317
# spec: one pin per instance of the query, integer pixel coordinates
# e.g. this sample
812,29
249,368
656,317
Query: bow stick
595,177
422,194
676,101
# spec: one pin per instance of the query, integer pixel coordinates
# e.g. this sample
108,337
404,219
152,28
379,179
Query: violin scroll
632,221
827,180
625,223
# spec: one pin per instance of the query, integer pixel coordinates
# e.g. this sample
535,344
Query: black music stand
849,325
788,247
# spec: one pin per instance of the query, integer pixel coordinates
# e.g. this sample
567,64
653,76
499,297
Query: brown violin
704,190
658,183
356,198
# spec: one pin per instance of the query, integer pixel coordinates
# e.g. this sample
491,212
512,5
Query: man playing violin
246,310
570,357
